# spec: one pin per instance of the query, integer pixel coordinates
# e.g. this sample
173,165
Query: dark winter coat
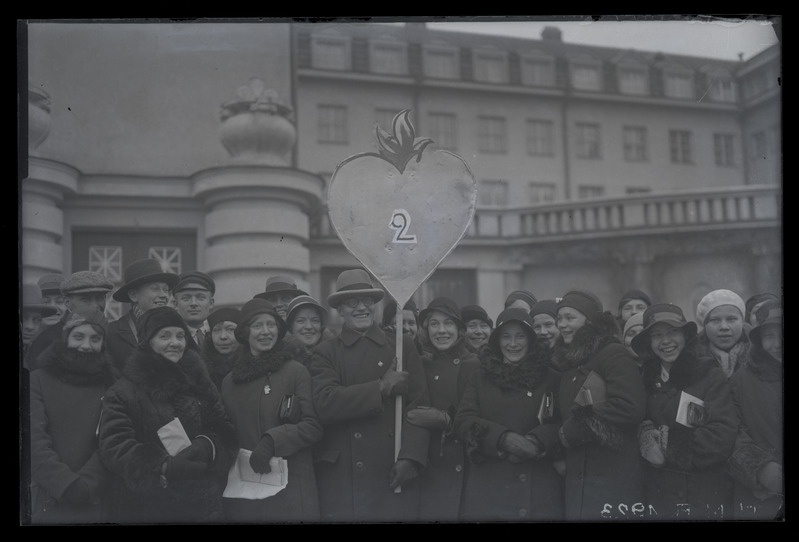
603,470
218,365
151,393
120,340
503,397
757,391
692,483
42,342
442,481
255,413
355,456
66,400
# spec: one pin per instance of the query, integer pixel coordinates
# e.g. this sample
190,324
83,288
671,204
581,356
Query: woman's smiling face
569,321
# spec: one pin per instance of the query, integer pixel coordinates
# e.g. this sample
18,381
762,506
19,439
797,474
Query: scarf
247,367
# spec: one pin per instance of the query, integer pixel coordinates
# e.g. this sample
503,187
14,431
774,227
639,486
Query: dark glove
200,450
181,467
263,452
518,447
429,418
393,382
402,471
77,492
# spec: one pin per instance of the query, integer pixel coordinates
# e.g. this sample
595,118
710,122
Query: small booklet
547,408
245,483
174,437
592,391
691,410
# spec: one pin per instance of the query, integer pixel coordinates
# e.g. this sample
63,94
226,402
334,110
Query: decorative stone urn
39,121
256,127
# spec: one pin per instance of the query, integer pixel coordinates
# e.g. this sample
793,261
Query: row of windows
494,192
492,136
536,69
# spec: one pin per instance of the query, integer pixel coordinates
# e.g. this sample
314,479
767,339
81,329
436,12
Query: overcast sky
712,38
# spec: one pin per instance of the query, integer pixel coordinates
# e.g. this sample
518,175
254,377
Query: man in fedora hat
146,286
84,294
33,310
279,291
194,297
355,383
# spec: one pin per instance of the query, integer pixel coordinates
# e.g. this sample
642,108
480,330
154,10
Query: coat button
522,477
522,512
458,468
359,464
357,435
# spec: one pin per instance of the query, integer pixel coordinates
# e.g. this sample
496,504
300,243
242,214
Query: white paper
682,409
245,483
174,437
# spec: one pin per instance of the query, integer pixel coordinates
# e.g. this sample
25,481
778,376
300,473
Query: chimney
551,33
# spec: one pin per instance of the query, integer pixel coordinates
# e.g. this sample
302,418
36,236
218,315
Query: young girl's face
771,340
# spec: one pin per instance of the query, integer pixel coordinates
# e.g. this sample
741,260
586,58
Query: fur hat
96,320
280,284
475,312
512,315
50,284
32,301
305,301
584,301
717,298
225,314
662,312
446,306
634,294
353,283
545,306
156,319
84,282
195,280
523,295
143,272
249,311
769,313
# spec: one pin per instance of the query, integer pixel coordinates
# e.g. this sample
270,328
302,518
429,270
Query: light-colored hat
717,298
50,284
354,283
84,282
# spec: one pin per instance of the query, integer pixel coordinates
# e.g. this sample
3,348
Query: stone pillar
257,206
42,193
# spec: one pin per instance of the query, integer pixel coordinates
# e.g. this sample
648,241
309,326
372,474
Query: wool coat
252,393
441,483
603,469
757,391
693,482
151,392
42,342
356,454
120,340
66,399
502,397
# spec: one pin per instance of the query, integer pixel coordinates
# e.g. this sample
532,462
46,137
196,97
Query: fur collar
217,364
689,367
457,350
165,379
525,375
588,340
247,367
73,367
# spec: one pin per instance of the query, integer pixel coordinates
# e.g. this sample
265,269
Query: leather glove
393,382
517,446
263,452
402,471
769,476
200,450
77,492
429,418
181,467
649,443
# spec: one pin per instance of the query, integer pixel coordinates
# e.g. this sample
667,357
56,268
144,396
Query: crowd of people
554,410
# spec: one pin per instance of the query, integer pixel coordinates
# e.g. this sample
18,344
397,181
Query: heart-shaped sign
401,211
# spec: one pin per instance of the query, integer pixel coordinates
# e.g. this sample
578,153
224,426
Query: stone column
767,269
42,193
257,206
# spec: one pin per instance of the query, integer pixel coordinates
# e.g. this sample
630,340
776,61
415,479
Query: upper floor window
491,134
681,147
491,66
442,128
635,147
540,138
633,80
586,75
441,62
332,124
588,141
388,58
722,89
632,190
590,191
724,149
538,71
542,192
679,84
331,53
493,192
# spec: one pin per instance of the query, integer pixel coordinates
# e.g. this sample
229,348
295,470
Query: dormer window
491,66
331,53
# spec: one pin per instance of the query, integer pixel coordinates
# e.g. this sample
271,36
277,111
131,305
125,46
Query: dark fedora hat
354,283
32,301
446,306
280,284
142,272
666,313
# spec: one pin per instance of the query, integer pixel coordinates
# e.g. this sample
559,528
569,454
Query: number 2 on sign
401,222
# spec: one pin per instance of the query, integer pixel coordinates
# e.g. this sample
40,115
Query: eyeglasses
353,302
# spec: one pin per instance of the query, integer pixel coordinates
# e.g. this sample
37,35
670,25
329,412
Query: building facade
210,147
